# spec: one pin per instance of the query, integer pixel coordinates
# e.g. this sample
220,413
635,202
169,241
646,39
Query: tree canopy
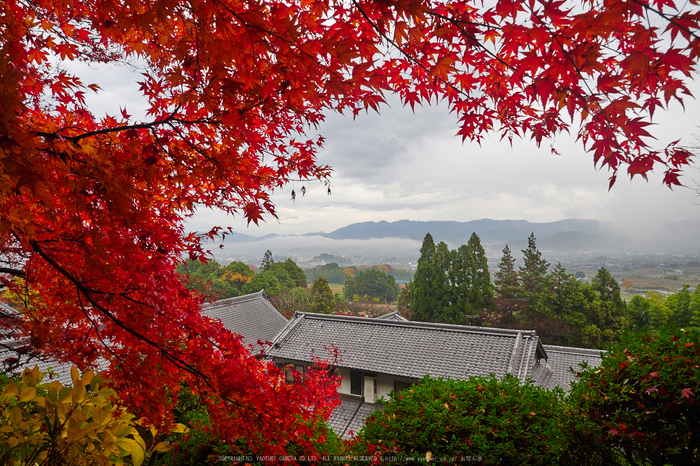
92,207
451,286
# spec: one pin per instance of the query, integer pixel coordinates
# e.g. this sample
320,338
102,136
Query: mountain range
563,234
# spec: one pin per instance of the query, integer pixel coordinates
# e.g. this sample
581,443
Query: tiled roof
350,415
7,314
410,349
12,347
396,315
251,316
561,358
60,370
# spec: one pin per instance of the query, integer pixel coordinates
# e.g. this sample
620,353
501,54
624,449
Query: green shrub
482,420
641,402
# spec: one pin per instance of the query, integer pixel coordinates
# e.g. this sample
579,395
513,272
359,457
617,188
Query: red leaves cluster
92,207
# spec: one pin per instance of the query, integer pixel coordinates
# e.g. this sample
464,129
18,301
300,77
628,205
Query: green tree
295,272
321,297
649,312
643,400
694,308
613,317
535,285
331,272
482,290
507,286
264,281
451,286
679,303
266,262
442,292
423,303
207,278
471,292
372,284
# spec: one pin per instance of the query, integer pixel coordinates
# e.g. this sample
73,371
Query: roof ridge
573,350
417,324
237,299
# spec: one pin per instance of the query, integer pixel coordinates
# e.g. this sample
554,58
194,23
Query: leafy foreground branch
93,207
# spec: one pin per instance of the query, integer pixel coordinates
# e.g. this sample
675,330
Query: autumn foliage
92,206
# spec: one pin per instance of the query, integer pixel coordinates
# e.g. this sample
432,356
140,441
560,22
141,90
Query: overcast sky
400,165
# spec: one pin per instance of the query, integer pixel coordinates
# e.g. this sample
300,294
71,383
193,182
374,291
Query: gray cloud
400,165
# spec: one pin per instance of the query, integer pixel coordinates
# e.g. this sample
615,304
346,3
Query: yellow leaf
74,374
78,391
179,428
428,456
27,394
7,429
10,389
163,446
137,453
87,377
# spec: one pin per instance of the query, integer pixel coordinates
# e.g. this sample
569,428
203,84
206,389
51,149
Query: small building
381,355
251,316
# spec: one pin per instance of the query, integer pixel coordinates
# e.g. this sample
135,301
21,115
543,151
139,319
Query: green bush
641,402
482,420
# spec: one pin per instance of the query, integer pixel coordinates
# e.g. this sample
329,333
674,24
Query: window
289,375
401,386
356,382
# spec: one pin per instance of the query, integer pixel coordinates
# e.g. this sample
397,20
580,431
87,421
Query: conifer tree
461,280
266,262
421,301
482,288
613,317
442,289
694,308
679,303
506,283
534,281
321,296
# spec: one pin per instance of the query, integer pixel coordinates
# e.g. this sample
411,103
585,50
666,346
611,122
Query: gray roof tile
561,358
251,316
410,349
350,415
395,315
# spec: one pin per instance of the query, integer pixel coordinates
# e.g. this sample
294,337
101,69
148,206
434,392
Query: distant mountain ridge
489,231
562,234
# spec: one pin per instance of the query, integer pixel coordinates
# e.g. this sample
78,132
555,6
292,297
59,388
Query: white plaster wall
344,381
385,384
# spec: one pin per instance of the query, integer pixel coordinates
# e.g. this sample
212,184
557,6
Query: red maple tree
92,207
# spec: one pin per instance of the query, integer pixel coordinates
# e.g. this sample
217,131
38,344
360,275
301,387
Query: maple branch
13,272
413,59
670,19
582,97
167,120
117,129
87,293
167,354
472,38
